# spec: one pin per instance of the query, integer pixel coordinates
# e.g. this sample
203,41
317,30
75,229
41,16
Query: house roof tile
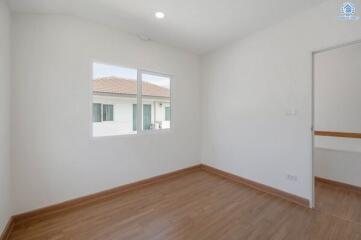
115,85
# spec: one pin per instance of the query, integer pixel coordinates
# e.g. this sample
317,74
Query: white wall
250,86
337,89
338,165
337,108
54,156
5,205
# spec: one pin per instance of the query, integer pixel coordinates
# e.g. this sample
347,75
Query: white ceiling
196,25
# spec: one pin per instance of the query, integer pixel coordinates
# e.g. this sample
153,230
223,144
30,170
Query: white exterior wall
123,115
5,164
160,113
55,157
249,89
337,109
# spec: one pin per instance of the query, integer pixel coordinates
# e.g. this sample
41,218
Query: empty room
180,119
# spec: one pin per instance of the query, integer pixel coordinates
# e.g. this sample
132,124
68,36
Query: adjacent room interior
337,118
170,119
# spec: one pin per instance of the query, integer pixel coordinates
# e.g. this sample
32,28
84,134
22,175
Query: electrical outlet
291,112
292,178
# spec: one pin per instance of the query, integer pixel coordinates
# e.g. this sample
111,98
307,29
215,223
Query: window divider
139,102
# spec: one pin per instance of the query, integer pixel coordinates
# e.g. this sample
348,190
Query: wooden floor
203,206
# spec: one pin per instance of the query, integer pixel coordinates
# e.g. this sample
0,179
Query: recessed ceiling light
159,15
144,37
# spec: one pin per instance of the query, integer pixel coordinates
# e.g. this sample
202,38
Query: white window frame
139,128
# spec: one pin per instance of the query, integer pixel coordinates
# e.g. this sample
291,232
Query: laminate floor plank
338,201
202,206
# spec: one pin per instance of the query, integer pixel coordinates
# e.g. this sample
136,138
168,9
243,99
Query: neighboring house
115,106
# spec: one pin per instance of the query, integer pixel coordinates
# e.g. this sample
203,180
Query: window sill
132,135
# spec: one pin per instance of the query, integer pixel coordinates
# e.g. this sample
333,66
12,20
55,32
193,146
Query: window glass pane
108,112
97,112
147,116
116,88
167,113
156,97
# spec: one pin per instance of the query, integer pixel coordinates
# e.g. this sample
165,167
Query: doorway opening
337,130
